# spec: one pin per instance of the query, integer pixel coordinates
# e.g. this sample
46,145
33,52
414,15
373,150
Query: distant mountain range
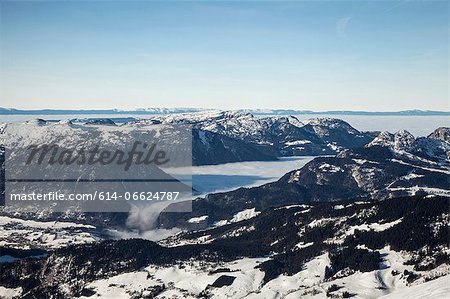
150,111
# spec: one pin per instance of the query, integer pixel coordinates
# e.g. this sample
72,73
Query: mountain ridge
382,169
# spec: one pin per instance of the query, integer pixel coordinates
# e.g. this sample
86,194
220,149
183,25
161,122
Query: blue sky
316,55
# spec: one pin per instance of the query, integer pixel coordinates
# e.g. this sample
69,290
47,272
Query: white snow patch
293,206
240,216
10,293
41,224
285,286
414,189
220,223
244,215
303,245
412,176
297,142
319,222
330,168
372,226
198,219
19,233
435,289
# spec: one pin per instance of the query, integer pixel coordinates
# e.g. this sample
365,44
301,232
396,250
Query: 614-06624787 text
102,196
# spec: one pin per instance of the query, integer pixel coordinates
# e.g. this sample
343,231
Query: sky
315,55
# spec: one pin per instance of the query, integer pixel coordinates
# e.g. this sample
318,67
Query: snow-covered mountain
319,250
67,141
218,136
435,147
400,141
369,222
392,165
287,135
207,147
441,133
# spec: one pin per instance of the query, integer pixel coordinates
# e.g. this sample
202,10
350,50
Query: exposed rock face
212,148
442,133
100,122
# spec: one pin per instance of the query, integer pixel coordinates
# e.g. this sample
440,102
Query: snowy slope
435,289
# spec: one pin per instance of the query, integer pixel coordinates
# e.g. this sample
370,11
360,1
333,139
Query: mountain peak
442,133
400,141
328,121
403,140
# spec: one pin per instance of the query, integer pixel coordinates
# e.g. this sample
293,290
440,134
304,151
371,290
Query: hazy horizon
202,109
